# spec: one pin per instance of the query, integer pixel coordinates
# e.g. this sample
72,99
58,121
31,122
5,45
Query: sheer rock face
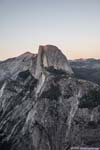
51,56
48,113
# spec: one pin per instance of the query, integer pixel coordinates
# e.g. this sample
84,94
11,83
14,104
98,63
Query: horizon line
80,58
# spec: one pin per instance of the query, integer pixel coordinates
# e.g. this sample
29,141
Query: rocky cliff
51,56
44,107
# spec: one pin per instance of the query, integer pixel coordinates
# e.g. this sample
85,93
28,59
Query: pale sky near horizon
71,25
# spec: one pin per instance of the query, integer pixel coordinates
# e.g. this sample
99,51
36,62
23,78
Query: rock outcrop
51,56
46,108
11,67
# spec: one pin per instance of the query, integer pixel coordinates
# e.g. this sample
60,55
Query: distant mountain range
88,69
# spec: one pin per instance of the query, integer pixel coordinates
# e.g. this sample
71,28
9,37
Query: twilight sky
72,25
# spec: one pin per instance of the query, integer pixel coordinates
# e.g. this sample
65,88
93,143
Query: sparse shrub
51,69
52,93
24,74
90,100
92,125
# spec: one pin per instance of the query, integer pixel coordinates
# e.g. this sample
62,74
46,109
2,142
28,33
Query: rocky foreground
43,106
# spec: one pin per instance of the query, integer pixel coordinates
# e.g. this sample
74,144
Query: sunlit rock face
51,56
45,107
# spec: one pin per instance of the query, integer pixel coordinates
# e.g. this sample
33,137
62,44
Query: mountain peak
49,47
26,54
51,56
